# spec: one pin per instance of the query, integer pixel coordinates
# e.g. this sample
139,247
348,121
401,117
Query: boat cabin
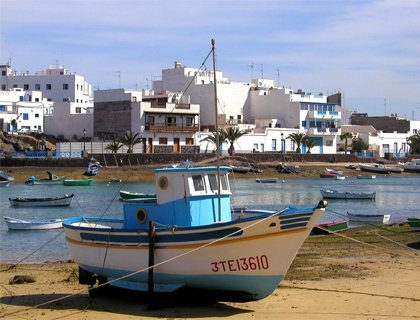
185,197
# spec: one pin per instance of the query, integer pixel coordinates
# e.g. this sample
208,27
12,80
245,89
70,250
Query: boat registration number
241,264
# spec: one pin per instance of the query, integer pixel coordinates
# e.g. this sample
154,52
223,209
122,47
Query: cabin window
213,182
198,182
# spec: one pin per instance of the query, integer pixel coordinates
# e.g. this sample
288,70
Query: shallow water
396,195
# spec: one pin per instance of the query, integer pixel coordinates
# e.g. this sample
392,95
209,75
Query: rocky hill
23,142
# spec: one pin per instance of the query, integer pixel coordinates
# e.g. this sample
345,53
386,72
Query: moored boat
334,194
126,195
61,201
414,224
369,218
334,226
52,179
412,166
78,182
366,176
5,179
377,168
266,180
18,224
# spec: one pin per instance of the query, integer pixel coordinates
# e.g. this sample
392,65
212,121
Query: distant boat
363,176
330,175
332,171
78,182
52,179
127,195
372,218
245,169
63,201
351,166
414,224
334,226
18,224
5,179
340,177
334,194
412,166
266,180
380,168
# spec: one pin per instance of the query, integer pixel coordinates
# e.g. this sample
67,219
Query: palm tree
309,143
344,136
114,146
130,139
212,138
297,138
232,134
414,143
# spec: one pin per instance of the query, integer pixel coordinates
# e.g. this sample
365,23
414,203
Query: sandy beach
331,278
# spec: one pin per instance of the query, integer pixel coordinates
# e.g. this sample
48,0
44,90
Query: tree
309,143
212,138
129,140
358,145
414,143
297,138
114,146
344,136
232,134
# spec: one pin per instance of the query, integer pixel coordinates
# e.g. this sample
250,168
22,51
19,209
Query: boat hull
17,224
333,194
42,202
331,226
84,182
124,195
414,224
207,258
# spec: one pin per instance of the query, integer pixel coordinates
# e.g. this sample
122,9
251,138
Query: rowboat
18,224
370,218
78,182
191,238
377,168
334,194
53,179
335,226
63,201
414,224
125,195
364,176
266,180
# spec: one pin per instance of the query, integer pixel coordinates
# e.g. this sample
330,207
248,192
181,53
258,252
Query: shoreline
331,278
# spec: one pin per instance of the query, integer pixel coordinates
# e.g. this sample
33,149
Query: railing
45,154
365,154
172,127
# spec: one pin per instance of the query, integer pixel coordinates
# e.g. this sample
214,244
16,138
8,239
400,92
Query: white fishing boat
18,224
380,168
366,176
369,218
334,194
190,238
5,179
60,201
412,166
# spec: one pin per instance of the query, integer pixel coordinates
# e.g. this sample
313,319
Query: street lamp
84,139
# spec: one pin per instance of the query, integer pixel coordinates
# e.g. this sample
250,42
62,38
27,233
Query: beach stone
21,279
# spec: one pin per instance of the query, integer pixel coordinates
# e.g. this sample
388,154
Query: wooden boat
190,238
335,226
266,180
364,176
126,195
369,218
63,201
414,224
78,182
334,194
412,166
18,224
351,166
246,169
53,179
5,179
93,168
377,168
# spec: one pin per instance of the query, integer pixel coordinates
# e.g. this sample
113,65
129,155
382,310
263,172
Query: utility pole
252,70
118,73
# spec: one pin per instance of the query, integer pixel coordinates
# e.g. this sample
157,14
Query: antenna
262,71
118,73
252,70
278,78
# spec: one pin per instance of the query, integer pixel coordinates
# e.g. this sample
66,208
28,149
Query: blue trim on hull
255,287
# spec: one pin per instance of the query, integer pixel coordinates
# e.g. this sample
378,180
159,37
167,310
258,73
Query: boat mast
213,45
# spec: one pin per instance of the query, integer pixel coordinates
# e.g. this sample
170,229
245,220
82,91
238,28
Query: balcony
171,127
324,115
323,131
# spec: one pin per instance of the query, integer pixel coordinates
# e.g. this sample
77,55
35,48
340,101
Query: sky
367,49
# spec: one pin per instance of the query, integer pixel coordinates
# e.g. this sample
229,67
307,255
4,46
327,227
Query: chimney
178,64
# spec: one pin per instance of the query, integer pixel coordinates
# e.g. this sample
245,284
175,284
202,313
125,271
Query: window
213,182
77,86
48,86
189,141
36,115
3,73
163,140
15,86
171,121
3,87
20,98
2,108
151,120
273,144
189,121
81,88
78,110
304,124
39,128
198,182
134,99
26,87
25,116
65,86
329,143
37,86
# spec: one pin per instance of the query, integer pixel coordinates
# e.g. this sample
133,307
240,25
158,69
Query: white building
57,84
23,111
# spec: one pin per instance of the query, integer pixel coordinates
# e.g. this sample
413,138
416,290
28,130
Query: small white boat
370,218
5,179
334,194
18,224
339,177
63,201
363,176
412,166
332,171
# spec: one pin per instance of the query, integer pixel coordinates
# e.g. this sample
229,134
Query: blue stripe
291,226
305,219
